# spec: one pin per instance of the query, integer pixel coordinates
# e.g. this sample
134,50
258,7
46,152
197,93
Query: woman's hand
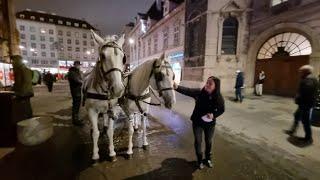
175,85
210,116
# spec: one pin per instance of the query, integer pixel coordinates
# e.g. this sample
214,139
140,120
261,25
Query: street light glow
21,47
88,52
131,41
32,50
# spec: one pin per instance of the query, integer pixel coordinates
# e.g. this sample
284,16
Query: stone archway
302,29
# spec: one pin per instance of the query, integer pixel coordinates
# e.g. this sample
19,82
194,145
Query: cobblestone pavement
170,154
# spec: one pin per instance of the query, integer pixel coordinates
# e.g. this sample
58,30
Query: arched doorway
280,58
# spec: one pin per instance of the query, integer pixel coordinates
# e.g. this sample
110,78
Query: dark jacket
75,81
239,80
22,78
205,103
306,95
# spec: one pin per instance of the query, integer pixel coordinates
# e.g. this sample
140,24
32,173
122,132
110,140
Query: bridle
115,46
159,77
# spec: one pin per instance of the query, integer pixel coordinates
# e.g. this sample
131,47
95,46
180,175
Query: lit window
84,25
32,17
76,24
68,23
60,22
277,2
41,19
230,36
50,20
22,16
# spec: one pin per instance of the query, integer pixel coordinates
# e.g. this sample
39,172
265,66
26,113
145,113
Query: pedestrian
22,86
239,86
75,82
209,105
260,82
49,80
305,99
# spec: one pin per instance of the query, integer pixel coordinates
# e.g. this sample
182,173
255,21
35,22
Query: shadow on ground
172,168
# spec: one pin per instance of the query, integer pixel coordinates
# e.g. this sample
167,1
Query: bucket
34,131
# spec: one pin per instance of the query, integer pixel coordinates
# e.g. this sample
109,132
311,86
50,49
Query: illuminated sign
176,56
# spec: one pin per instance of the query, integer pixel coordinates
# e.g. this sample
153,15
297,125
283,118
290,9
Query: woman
208,106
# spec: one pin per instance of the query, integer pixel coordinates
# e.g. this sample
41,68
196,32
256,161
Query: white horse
159,75
104,85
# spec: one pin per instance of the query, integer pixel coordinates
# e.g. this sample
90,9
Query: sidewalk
261,121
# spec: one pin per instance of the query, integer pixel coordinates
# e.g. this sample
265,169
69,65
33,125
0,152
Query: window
60,22
42,31
176,34
70,56
24,44
77,42
21,27
43,46
43,54
34,54
42,38
69,48
60,33
53,54
84,43
32,17
22,36
229,36
77,55
84,25
68,23
32,29
76,34
84,35
51,39
33,45
155,43
143,49
53,62
149,46
52,47
68,41
77,49
60,40
277,2
44,62
41,19
68,33
92,43
34,61
84,50
76,24
22,16
51,31
33,37
24,53
51,20
165,38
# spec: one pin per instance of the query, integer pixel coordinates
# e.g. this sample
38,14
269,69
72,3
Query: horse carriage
107,87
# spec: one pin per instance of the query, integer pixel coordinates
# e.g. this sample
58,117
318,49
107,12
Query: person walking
209,105
305,99
239,86
260,82
75,82
49,80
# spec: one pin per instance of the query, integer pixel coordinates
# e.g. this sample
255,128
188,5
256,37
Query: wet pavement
170,154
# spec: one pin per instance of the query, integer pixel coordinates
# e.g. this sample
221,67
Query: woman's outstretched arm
192,92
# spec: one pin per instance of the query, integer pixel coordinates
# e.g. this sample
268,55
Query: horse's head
111,62
164,78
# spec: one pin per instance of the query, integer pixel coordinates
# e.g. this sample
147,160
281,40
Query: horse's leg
136,121
110,132
130,134
144,129
105,123
93,116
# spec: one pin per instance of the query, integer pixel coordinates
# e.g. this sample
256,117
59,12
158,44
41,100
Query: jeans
76,102
303,115
198,130
239,94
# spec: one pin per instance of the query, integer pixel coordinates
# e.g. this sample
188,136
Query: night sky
109,16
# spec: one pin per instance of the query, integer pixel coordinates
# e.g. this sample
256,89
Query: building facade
159,31
52,42
216,43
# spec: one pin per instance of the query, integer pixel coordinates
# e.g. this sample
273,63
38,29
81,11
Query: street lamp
21,47
131,41
32,50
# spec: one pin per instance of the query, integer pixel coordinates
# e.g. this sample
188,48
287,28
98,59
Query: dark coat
205,103
75,81
239,80
306,95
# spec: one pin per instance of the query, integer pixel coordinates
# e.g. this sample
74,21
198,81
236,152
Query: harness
104,74
138,99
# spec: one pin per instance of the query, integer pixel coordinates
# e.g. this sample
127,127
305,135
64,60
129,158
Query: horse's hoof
129,156
145,147
113,158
